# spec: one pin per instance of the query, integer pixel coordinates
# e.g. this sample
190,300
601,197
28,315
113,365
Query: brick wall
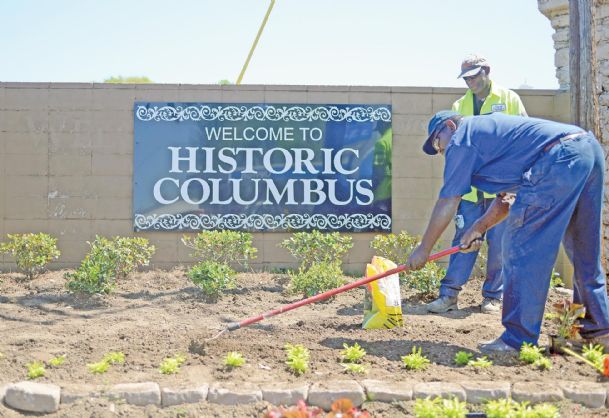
66,152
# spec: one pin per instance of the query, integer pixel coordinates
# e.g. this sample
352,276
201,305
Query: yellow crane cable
249,56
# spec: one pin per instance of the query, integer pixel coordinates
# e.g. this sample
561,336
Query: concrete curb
39,397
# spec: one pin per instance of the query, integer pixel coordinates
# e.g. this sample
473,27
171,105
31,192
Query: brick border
43,397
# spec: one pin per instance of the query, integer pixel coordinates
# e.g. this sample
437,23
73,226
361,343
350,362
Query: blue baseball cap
434,123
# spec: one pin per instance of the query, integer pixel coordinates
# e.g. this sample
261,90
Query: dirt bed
157,314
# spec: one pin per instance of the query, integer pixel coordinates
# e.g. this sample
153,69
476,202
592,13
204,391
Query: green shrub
426,280
108,260
394,247
212,277
317,279
223,247
312,248
397,248
31,251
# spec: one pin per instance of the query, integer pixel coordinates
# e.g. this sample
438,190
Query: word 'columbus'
216,191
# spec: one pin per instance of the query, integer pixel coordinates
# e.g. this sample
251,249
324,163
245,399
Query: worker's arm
472,238
443,213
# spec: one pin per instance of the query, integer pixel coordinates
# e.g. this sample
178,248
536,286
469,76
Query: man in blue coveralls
557,172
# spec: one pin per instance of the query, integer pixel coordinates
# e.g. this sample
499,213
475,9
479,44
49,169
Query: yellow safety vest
499,99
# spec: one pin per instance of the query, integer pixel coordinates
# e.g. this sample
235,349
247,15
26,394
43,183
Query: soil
156,314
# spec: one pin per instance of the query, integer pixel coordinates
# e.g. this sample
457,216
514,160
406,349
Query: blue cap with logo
434,123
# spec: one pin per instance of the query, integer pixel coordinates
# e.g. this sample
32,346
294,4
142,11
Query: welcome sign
262,167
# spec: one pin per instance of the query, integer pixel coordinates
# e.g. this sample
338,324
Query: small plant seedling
415,360
453,408
35,370
530,353
234,359
100,367
171,365
114,357
481,362
543,363
567,315
57,361
462,358
594,353
298,358
352,354
500,408
355,368
428,408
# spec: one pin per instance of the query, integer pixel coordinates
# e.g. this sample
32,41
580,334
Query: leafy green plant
481,362
428,408
32,252
355,368
108,260
98,368
508,408
171,365
315,247
298,358
567,314
224,247
438,407
594,353
352,354
114,357
212,278
234,359
316,279
415,360
543,363
530,353
556,280
462,358
57,361
35,370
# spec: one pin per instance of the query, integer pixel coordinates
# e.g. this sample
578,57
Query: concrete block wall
66,152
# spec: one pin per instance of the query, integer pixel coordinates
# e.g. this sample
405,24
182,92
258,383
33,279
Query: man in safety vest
482,97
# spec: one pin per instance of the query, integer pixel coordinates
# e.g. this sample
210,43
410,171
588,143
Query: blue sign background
262,167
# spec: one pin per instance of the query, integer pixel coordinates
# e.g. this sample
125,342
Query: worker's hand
471,241
417,259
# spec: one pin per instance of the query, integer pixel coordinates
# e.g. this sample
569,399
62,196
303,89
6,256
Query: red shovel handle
325,295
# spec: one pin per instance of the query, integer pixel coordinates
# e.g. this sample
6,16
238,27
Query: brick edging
39,397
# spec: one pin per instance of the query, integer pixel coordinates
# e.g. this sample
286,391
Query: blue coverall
559,186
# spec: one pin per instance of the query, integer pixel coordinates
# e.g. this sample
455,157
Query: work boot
490,306
442,304
602,340
496,346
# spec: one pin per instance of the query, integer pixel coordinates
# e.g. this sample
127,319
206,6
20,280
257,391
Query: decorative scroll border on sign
168,222
262,113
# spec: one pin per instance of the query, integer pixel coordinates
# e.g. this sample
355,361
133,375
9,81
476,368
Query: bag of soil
382,301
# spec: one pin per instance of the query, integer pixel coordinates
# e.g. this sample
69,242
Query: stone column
558,13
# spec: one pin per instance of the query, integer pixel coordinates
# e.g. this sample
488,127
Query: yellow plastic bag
383,302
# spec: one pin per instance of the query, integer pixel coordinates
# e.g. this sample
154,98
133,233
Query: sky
305,42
